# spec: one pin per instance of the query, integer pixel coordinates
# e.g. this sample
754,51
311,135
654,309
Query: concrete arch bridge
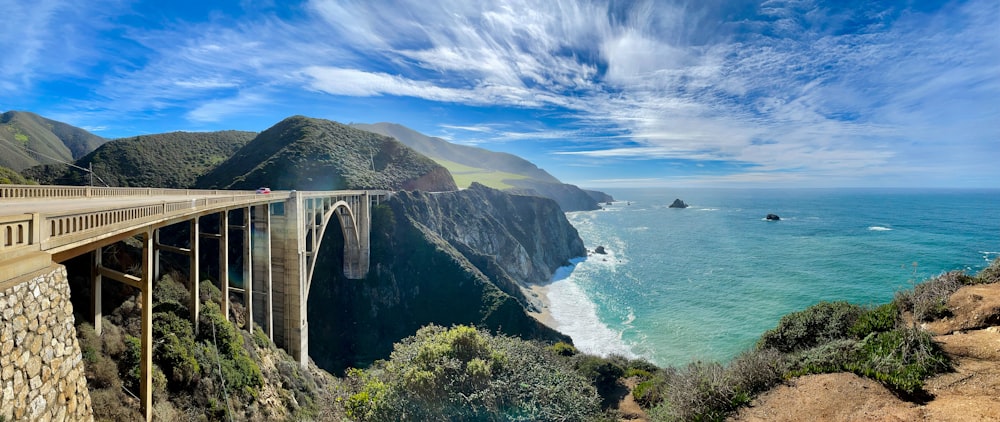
280,235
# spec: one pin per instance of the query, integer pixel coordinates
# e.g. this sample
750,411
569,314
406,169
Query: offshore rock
772,217
678,204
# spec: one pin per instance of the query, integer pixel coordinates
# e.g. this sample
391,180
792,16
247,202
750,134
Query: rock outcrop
772,217
678,204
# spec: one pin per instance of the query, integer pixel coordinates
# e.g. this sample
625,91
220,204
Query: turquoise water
706,281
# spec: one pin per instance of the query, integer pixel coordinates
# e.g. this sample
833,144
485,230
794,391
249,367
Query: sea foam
576,315
879,229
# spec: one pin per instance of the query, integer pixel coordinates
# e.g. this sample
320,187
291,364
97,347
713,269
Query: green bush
876,320
602,372
466,374
900,359
651,392
129,367
220,340
174,350
833,356
815,325
563,349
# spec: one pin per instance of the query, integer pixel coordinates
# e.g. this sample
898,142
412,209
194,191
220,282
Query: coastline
539,296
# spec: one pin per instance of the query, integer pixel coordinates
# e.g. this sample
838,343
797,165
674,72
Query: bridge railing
47,191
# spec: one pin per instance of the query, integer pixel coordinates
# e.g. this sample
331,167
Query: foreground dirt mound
972,308
970,393
829,397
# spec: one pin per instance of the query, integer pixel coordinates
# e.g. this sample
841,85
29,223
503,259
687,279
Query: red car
263,190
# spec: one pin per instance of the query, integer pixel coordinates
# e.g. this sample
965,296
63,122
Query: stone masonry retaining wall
41,368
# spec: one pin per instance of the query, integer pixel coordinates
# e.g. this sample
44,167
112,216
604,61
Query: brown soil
628,409
970,393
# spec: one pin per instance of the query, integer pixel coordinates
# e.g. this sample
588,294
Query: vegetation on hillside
466,175
873,341
11,177
27,139
465,374
222,373
168,160
315,154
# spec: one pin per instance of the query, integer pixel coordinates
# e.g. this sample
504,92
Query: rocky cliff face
527,237
443,258
569,197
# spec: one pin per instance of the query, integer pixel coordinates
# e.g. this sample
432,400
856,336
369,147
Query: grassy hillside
465,175
439,149
170,160
27,139
314,154
11,177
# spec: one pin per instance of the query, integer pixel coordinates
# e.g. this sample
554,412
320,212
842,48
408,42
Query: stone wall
41,368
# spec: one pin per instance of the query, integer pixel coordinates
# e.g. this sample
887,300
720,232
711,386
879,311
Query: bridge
280,236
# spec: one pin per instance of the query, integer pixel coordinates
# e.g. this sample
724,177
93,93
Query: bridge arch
349,225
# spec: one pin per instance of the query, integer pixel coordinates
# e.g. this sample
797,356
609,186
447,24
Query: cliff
444,258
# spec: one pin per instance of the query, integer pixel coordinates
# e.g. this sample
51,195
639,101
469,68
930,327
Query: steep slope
447,258
168,160
23,132
11,177
315,154
494,169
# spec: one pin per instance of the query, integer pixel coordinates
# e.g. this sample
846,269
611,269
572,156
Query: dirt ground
971,336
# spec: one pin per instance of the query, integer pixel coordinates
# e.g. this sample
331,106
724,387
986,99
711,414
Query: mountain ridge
27,139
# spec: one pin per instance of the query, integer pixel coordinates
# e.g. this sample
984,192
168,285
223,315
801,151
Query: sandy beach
538,295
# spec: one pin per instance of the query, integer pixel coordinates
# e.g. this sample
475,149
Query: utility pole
91,171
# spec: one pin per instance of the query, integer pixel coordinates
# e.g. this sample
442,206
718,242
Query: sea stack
678,204
772,217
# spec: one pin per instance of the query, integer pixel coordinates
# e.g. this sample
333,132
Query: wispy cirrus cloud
803,90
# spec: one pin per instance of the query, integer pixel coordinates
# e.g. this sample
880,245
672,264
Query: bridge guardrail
50,191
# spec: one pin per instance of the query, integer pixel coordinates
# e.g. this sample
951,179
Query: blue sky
599,93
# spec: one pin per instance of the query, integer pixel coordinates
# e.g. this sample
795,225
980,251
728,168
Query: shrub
129,366
990,274
651,392
755,371
563,349
929,300
699,391
900,359
466,374
223,341
815,325
174,349
601,371
876,320
833,356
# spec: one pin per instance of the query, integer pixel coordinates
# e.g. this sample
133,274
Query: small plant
563,349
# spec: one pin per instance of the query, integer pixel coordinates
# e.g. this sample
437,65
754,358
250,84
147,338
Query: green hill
315,154
27,139
497,170
11,177
170,160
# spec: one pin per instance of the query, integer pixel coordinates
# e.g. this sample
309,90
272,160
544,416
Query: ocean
703,283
